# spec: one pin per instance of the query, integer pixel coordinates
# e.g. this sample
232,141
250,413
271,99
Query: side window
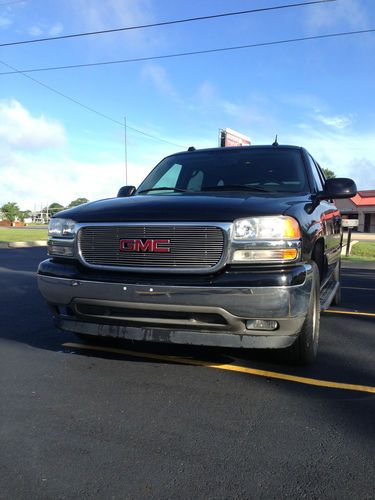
169,179
318,182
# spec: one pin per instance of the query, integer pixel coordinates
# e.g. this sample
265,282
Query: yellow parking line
350,313
228,367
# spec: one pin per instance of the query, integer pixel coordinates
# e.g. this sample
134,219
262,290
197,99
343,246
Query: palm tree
11,210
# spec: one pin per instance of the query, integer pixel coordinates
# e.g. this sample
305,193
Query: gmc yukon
235,247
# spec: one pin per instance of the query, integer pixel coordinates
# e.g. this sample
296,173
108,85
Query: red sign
138,245
229,137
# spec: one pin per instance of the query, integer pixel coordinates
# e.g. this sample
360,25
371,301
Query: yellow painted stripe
352,313
228,367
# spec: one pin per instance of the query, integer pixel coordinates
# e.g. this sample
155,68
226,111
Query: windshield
258,170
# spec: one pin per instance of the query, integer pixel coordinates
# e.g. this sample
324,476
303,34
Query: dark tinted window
316,174
274,170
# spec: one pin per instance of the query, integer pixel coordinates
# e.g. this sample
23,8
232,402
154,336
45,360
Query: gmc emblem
138,245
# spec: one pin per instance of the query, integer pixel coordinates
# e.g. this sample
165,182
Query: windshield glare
279,170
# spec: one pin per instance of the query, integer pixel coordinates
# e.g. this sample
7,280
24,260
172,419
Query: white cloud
302,101
35,31
206,93
100,15
44,29
348,154
157,75
362,170
349,12
39,180
56,29
245,113
19,129
338,122
116,14
37,167
5,22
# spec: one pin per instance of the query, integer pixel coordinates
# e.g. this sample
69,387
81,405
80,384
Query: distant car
236,247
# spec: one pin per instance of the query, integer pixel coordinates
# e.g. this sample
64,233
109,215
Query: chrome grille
191,247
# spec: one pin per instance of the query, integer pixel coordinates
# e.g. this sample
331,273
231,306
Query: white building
361,207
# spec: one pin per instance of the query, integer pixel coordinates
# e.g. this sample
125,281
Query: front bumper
199,315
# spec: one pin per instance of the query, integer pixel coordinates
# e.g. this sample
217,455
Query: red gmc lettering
139,245
146,246
158,249
127,245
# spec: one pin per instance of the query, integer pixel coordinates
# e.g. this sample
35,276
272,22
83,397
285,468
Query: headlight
266,228
61,228
265,239
61,234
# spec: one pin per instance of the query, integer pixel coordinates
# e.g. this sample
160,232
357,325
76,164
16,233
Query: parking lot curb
24,244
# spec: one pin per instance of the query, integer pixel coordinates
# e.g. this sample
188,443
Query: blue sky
319,94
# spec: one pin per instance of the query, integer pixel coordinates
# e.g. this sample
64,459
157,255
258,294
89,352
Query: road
124,420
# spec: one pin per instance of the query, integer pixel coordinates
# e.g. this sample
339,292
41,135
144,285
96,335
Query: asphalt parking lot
125,420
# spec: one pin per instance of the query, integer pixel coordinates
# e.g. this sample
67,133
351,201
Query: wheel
305,348
337,297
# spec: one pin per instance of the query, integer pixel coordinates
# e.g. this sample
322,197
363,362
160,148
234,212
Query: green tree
77,202
24,214
54,208
329,174
11,211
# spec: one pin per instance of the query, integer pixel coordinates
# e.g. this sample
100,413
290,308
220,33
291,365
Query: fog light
60,250
262,324
277,254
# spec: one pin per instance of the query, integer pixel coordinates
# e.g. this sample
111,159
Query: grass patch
8,235
362,251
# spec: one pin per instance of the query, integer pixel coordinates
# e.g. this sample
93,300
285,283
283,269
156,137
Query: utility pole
126,152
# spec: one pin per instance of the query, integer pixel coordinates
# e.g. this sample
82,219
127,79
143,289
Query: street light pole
126,153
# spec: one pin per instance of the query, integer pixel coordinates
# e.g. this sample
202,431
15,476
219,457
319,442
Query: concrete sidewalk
360,236
23,244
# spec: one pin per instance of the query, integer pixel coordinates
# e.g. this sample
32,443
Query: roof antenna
275,143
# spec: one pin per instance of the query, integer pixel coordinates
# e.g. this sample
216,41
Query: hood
197,207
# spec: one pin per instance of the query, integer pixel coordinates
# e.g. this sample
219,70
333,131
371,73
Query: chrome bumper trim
287,305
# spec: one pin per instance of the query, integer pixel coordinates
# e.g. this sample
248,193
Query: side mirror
340,187
126,191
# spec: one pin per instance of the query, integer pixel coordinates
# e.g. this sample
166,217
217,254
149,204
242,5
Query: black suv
236,247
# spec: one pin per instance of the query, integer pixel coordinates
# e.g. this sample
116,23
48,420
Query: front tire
305,348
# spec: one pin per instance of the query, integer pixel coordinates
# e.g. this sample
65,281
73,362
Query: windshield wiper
176,190
228,187
234,187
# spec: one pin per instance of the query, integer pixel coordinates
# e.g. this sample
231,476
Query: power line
192,53
163,23
88,108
